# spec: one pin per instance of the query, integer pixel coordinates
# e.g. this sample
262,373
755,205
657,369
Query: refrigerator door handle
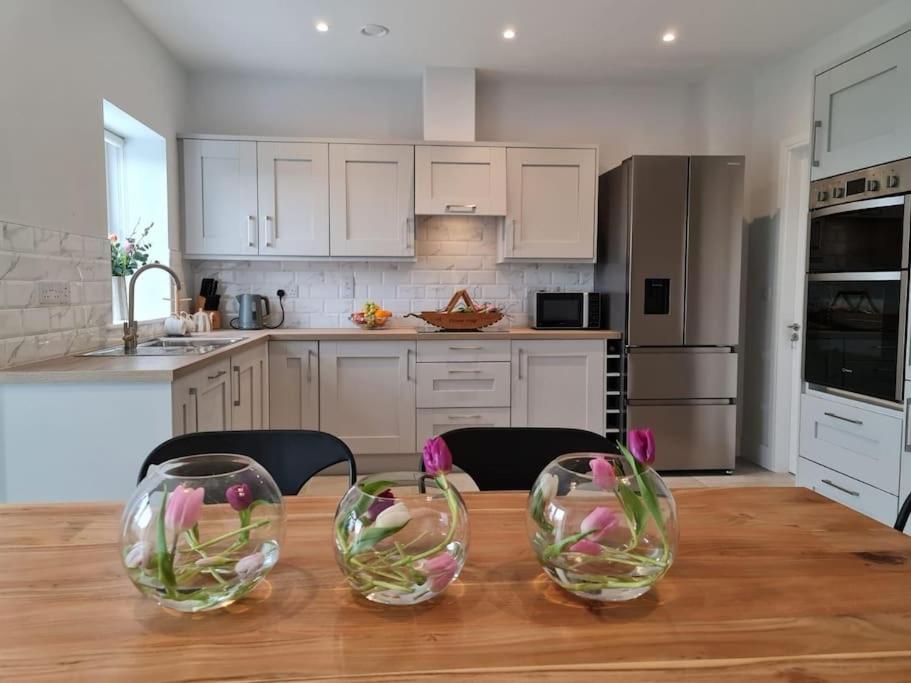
681,402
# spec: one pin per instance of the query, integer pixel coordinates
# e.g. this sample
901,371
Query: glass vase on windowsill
127,255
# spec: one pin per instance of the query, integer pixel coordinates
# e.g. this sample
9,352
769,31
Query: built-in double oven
857,283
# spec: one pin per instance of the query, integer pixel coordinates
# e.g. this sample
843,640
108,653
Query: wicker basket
465,321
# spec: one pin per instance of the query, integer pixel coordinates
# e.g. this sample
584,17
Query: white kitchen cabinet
852,493
551,204
293,181
860,110
435,421
367,394
450,385
558,384
250,388
220,197
293,385
371,198
202,399
460,180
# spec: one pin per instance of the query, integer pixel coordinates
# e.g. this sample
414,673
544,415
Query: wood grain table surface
769,584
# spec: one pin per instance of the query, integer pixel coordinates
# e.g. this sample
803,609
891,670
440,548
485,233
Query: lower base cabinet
435,421
202,400
293,385
250,389
851,493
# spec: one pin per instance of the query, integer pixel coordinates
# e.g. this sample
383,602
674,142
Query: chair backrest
291,456
903,514
511,458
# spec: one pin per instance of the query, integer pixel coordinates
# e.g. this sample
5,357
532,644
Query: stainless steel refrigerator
669,236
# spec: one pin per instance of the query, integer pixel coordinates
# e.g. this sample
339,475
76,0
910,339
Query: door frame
786,415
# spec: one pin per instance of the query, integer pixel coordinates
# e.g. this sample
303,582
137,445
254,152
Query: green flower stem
229,534
555,549
624,558
453,517
651,501
607,582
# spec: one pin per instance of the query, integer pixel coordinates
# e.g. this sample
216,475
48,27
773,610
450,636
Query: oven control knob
838,192
822,196
892,181
872,185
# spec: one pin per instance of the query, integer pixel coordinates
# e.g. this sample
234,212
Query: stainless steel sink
171,346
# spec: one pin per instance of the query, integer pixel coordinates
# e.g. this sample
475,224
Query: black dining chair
291,456
511,458
903,514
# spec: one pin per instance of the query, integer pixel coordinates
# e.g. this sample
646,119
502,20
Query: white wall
782,110
58,61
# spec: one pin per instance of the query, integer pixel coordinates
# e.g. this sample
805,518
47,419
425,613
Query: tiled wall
452,253
30,331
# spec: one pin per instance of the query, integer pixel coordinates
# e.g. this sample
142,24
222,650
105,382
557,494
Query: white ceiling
578,40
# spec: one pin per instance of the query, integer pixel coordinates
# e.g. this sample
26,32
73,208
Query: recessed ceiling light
374,30
322,26
509,33
669,37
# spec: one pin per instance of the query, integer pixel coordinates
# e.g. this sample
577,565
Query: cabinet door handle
251,231
237,385
220,373
269,231
466,348
908,425
464,417
521,353
817,126
309,366
513,234
840,488
465,372
195,396
408,365
461,208
844,419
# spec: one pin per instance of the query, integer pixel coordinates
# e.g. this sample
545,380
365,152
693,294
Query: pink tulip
138,555
184,507
602,473
112,237
383,500
437,457
586,547
598,523
641,443
239,496
440,569
248,565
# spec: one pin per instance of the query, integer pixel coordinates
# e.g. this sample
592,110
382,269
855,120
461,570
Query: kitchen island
768,584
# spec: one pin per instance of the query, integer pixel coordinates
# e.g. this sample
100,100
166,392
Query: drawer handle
466,348
461,208
844,419
841,488
464,372
220,373
237,383
465,417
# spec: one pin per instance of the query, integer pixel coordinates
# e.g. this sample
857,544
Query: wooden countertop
769,584
168,368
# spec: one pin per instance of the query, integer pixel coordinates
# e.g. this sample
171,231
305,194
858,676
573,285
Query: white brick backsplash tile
495,291
35,320
482,277
425,277
17,294
382,291
324,291
565,277
48,241
410,292
62,318
72,245
396,276
454,277
440,291
307,306
345,306
10,323
15,237
324,320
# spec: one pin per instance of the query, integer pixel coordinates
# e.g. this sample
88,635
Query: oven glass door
855,332
859,237
559,309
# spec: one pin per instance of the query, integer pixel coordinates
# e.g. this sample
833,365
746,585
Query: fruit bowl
370,317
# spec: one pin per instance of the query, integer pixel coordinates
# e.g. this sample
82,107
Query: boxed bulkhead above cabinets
252,198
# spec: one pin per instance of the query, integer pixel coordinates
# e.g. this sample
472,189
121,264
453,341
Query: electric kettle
250,315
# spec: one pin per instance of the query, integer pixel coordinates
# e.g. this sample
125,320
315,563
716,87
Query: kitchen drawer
469,350
854,494
698,373
861,443
450,385
436,421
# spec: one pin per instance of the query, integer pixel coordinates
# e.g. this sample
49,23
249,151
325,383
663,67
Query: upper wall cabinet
220,197
860,110
551,202
371,199
293,198
460,180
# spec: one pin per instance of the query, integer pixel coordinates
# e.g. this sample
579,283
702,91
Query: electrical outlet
53,293
347,287
294,291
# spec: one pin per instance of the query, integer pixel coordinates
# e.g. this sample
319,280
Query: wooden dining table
768,584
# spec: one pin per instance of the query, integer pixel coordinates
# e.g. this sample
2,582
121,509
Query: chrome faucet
130,328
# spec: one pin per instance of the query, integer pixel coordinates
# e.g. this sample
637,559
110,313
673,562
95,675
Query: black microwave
564,310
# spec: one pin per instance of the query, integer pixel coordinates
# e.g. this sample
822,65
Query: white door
293,198
551,202
460,180
558,384
860,110
293,385
367,394
371,199
788,333
249,387
220,197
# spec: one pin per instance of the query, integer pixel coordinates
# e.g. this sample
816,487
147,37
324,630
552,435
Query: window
135,161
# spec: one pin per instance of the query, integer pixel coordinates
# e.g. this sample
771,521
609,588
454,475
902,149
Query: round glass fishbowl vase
201,531
602,526
401,538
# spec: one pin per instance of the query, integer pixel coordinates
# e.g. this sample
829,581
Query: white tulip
548,488
392,517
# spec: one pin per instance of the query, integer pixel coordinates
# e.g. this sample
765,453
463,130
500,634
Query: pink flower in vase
128,247
437,457
239,496
586,547
602,473
641,443
598,523
138,555
384,499
248,565
184,508
440,570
